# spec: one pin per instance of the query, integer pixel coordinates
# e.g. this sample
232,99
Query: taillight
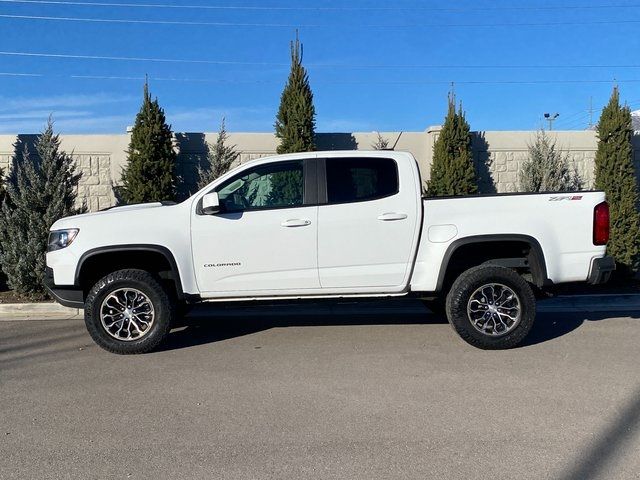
601,224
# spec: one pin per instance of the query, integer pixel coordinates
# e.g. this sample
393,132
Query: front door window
277,185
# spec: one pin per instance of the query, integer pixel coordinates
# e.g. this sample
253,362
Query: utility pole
590,112
550,118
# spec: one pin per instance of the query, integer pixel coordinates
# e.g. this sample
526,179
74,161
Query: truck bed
559,224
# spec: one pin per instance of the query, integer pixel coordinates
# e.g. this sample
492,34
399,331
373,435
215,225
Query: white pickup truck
326,225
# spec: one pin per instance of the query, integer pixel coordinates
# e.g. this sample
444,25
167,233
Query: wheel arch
535,260
97,259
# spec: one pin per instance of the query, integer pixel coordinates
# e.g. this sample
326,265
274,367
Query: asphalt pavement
327,392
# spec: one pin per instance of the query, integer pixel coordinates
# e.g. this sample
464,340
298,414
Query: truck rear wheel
491,307
128,312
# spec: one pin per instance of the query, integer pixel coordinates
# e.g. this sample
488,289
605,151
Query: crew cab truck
334,224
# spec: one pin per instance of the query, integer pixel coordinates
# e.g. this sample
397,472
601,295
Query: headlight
61,238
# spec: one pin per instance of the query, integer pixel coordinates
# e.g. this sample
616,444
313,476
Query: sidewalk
565,303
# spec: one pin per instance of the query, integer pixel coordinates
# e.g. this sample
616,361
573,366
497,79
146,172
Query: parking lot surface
325,392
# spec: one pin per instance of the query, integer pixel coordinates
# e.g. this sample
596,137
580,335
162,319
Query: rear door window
360,179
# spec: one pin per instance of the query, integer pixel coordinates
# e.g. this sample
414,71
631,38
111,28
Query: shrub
615,174
41,188
381,143
149,174
220,158
547,168
452,169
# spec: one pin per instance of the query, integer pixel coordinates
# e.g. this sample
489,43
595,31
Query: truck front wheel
491,307
128,312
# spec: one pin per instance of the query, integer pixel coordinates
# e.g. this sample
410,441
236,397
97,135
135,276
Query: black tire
129,279
463,289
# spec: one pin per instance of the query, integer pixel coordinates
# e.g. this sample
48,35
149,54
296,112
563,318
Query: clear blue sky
369,68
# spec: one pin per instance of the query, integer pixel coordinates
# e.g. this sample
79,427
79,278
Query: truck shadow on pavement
210,323
549,326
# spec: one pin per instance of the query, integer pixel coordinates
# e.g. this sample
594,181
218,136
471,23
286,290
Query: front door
264,239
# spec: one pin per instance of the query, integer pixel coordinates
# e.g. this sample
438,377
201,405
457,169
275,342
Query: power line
315,25
139,59
581,122
570,119
566,119
18,74
586,116
297,8
338,82
316,65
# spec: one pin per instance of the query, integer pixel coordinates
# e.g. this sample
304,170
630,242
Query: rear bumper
601,269
67,295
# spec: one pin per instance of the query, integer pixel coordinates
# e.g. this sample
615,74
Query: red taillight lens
601,224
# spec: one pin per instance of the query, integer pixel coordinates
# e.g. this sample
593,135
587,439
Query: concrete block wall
95,188
498,155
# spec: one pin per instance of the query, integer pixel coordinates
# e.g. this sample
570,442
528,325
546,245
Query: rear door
368,223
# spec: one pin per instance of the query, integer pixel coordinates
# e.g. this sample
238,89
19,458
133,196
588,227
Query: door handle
391,216
296,222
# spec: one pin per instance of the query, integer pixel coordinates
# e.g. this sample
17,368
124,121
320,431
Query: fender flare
536,258
164,251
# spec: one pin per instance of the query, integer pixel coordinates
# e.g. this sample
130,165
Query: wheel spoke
503,297
127,314
135,325
141,320
505,314
494,309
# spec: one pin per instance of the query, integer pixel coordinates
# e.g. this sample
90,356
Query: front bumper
601,269
67,295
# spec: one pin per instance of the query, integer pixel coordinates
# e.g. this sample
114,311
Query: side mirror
210,203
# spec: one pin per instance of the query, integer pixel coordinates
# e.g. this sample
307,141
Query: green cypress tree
41,188
615,174
452,169
149,175
220,158
295,121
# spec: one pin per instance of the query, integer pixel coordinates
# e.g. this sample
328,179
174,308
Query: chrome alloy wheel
127,314
494,309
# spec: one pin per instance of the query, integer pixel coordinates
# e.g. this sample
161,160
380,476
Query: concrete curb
10,312
37,311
